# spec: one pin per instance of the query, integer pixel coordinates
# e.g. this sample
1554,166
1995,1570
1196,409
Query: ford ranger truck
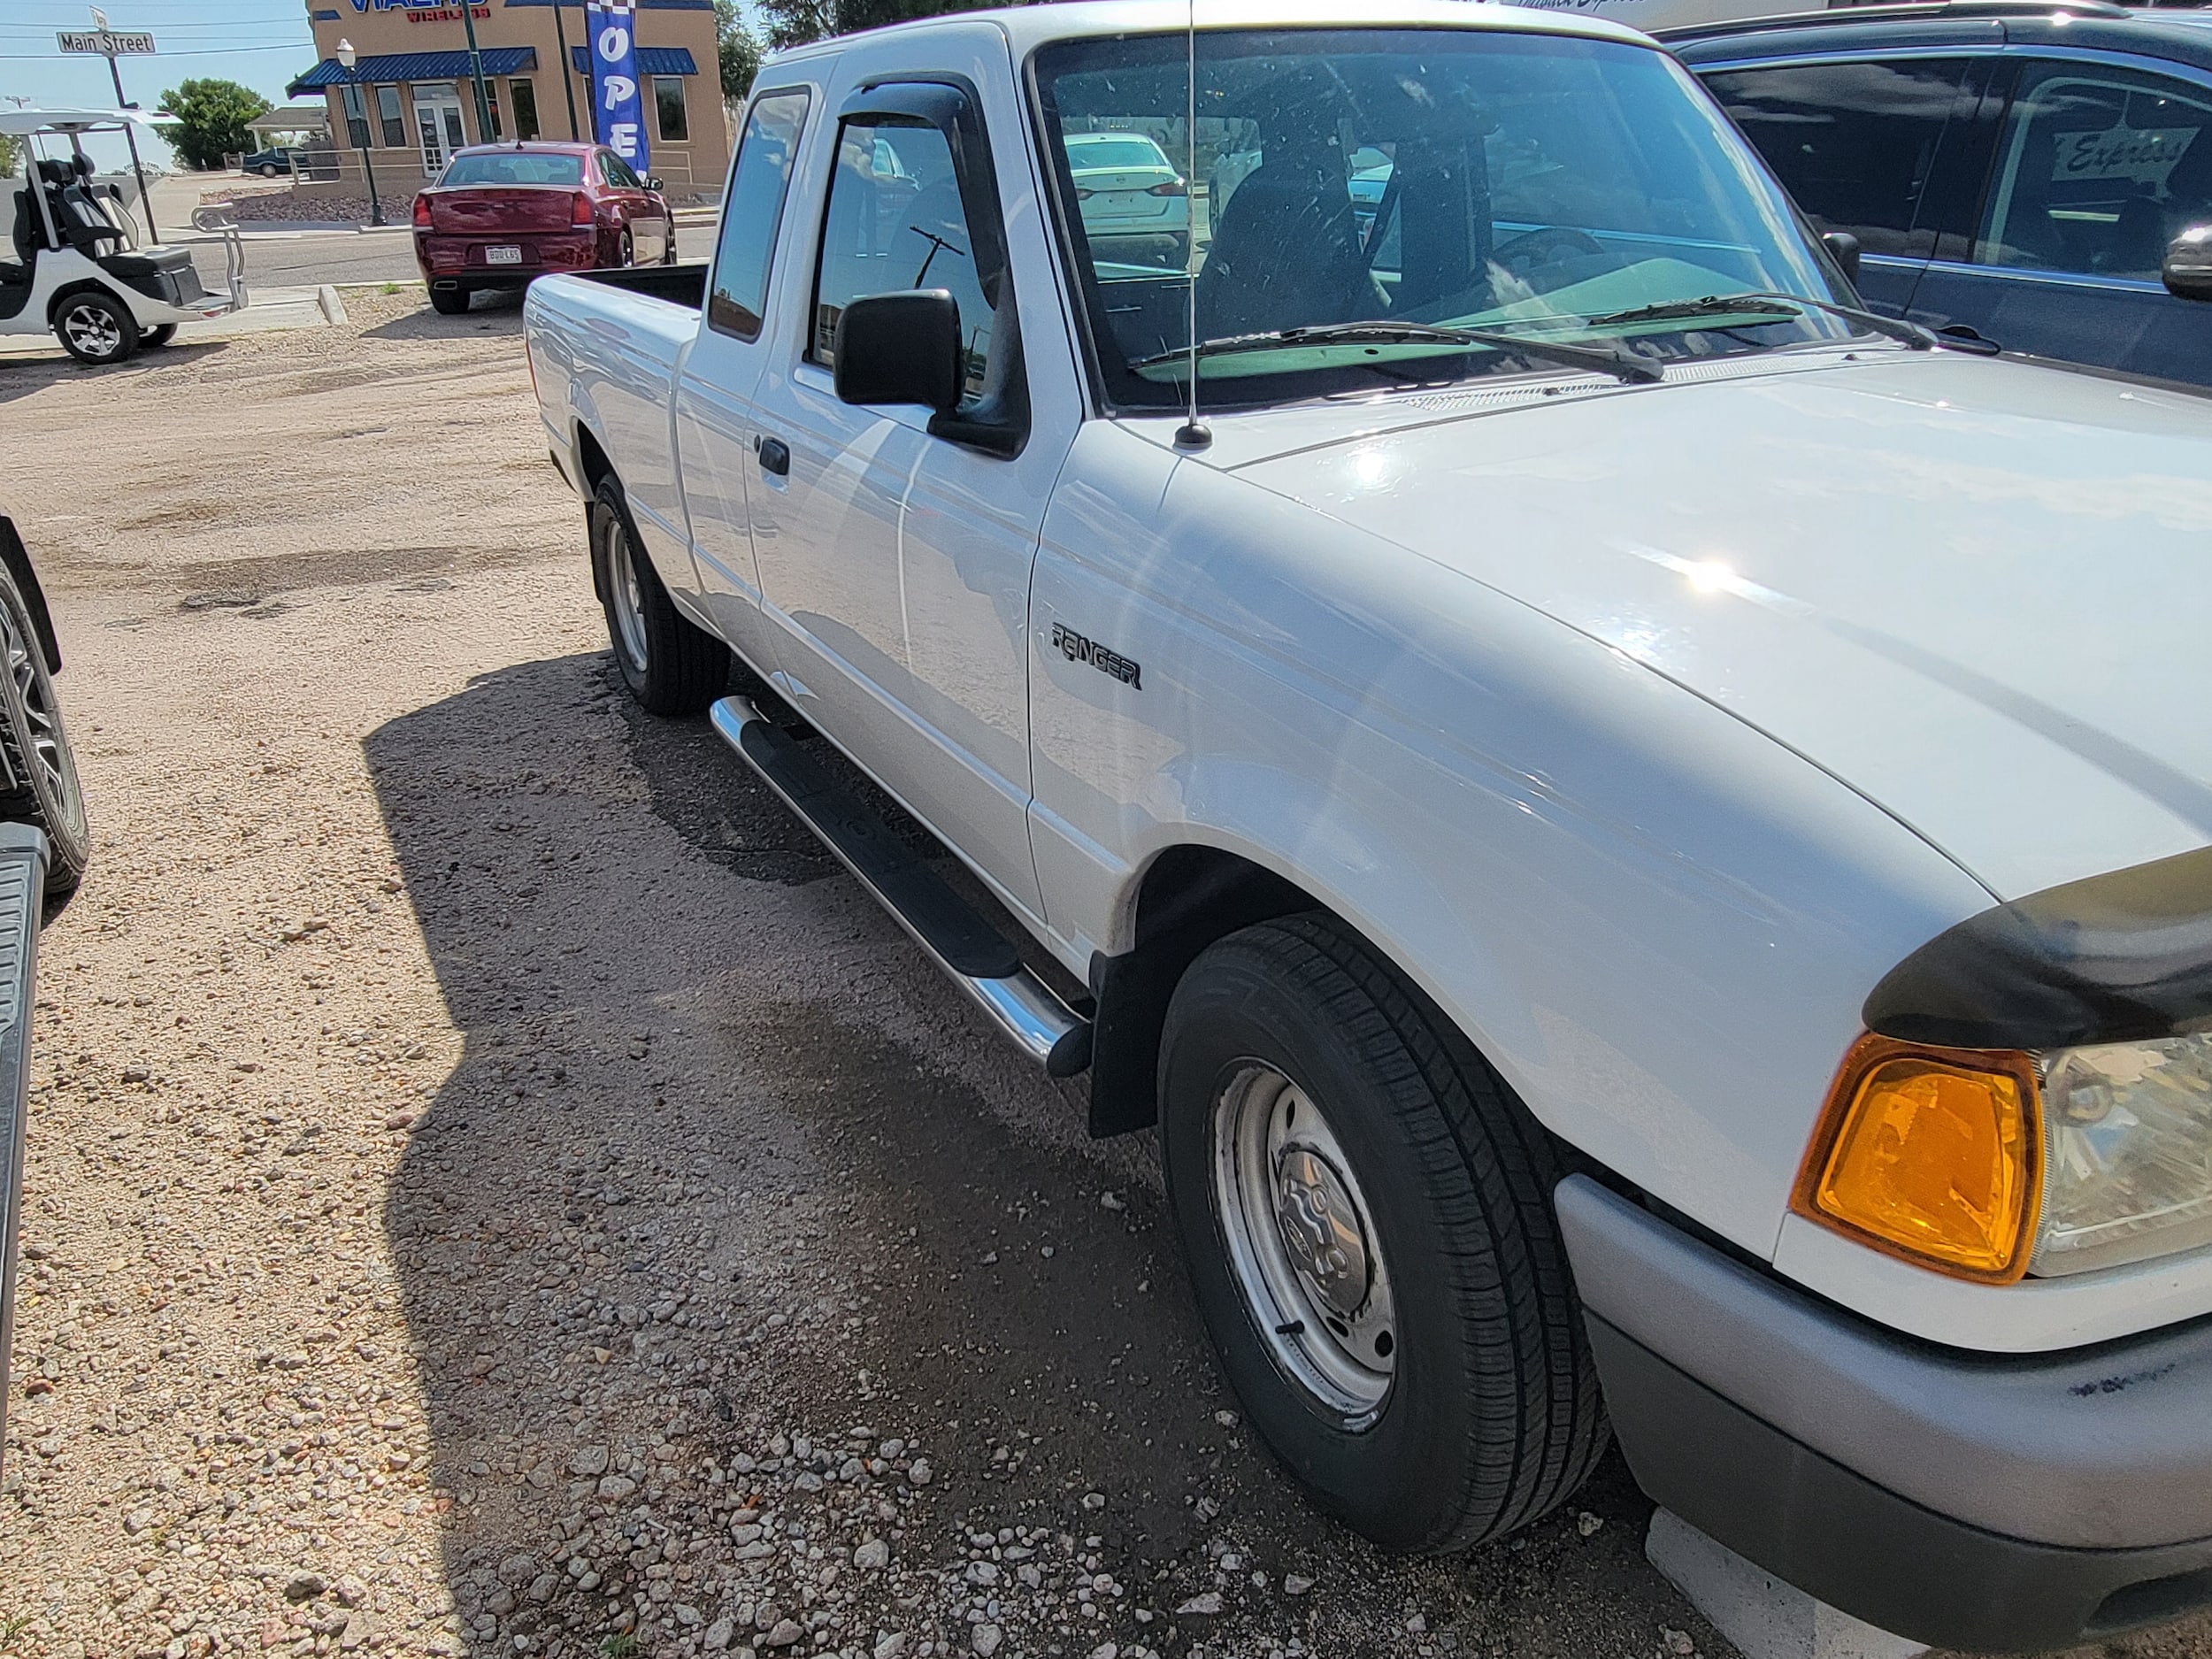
1641,831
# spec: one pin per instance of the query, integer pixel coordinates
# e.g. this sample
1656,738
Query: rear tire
670,667
448,302
95,327
160,334
39,755
1365,1213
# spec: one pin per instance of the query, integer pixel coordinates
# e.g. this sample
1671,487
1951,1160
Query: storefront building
411,100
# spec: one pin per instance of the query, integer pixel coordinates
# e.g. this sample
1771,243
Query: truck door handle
774,456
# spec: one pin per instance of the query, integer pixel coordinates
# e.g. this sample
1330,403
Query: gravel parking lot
494,1188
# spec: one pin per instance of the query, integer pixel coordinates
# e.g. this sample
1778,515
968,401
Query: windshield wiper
1896,328
1617,361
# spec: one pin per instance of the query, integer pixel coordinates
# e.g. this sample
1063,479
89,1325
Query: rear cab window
760,183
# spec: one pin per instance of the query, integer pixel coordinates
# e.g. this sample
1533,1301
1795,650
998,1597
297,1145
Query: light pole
130,134
476,74
347,57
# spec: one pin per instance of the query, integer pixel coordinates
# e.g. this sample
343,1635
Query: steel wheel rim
42,720
92,329
629,598
1301,1243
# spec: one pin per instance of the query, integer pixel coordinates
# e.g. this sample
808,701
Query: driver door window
896,221
2097,169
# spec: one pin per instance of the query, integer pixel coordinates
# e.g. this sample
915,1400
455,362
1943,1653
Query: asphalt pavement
297,259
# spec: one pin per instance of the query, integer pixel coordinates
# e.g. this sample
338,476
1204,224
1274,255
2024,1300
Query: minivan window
2097,169
1855,144
1557,187
758,185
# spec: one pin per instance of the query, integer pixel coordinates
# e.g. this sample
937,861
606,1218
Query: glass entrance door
437,123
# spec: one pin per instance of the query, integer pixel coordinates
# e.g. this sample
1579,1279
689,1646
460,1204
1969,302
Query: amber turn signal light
1934,1155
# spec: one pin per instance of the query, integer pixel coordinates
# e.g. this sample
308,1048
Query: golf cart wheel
160,334
448,302
1365,1214
95,327
46,792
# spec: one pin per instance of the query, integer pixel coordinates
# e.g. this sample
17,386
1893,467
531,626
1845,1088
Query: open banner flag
617,107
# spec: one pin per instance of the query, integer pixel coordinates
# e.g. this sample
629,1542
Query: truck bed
684,285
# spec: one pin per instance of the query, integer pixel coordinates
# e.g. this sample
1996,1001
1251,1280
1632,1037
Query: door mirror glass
2187,270
653,181
901,347
1843,248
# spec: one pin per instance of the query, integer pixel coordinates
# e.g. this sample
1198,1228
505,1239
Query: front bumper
2000,1503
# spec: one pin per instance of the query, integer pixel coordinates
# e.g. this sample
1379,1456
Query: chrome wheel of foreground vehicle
46,790
1365,1214
95,328
1301,1242
670,666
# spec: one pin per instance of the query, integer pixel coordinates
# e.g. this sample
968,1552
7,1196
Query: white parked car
1133,204
78,268
1641,831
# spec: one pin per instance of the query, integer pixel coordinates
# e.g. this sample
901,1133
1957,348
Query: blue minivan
2029,172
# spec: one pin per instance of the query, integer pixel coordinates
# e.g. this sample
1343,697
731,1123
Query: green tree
738,50
793,22
211,120
10,157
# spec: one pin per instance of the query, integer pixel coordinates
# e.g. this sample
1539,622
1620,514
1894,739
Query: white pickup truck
1641,832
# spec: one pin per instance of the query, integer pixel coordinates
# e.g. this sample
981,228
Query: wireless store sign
618,110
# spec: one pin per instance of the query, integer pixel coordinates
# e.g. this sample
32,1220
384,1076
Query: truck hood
1974,591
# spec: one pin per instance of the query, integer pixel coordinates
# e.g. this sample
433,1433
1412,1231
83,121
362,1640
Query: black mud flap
22,882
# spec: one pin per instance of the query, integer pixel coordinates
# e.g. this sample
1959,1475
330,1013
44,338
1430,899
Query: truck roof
1027,28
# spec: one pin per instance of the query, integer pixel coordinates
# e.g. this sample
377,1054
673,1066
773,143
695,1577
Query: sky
259,43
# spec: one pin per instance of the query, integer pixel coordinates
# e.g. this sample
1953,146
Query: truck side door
715,427
894,550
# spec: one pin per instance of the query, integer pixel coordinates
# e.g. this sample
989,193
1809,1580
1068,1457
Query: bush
211,119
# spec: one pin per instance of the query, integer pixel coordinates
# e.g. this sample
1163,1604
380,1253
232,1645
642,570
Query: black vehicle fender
17,557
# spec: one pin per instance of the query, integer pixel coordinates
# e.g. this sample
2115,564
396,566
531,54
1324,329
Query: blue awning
651,60
390,68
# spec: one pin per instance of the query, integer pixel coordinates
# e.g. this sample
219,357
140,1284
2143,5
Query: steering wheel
1548,245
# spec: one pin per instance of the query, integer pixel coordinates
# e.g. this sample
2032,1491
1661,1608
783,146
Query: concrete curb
1763,1617
333,308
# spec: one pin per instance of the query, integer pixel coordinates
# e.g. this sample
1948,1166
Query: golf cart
78,267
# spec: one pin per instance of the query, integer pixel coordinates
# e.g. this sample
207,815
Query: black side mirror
1843,248
900,349
2187,270
652,182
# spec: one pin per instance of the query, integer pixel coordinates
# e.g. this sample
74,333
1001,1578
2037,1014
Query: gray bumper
1989,1501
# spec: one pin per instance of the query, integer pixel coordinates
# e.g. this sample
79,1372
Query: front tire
47,793
670,667
1366,1217
95,327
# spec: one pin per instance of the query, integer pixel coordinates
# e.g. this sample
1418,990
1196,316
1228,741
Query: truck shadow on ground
722,1159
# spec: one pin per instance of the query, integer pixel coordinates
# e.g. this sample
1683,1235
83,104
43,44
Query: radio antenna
1193,433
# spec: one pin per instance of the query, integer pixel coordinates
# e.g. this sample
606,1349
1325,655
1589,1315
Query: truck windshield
1487,182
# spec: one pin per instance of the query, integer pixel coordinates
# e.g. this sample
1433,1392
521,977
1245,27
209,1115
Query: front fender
1655,921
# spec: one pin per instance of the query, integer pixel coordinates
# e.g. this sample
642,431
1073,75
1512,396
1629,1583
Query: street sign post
103,42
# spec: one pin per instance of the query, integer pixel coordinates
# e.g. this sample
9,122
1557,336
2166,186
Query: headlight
2127,1152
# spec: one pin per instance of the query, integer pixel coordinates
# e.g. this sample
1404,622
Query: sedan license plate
503,256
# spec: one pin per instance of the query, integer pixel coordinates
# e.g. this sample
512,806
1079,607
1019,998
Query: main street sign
107,43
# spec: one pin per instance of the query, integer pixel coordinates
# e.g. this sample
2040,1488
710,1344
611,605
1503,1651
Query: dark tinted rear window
515,167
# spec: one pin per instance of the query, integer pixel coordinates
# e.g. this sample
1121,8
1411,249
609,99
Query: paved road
345,256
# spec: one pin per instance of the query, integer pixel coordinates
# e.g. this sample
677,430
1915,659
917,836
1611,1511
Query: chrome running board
974,954
22,898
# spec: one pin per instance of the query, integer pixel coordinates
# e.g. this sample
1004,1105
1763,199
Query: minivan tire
1487,1413
670,666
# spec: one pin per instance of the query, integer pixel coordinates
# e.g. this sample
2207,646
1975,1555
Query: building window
668,99
524,99
387,117
356,119
491,103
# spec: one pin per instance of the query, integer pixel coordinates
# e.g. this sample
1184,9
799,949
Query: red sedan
501,214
